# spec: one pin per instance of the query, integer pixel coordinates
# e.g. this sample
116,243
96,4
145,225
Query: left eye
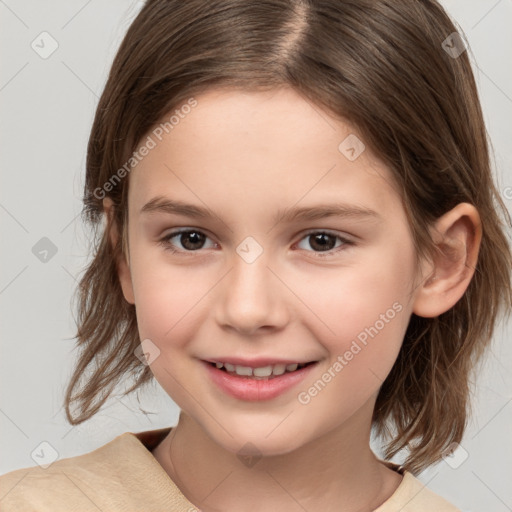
325,240
192,240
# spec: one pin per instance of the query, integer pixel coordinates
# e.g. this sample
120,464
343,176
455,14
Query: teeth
243,370
265,371
278,369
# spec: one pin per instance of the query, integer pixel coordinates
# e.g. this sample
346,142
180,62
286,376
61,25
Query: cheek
168,298
169,302
362,310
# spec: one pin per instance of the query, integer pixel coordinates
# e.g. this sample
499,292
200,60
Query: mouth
257,383
266,372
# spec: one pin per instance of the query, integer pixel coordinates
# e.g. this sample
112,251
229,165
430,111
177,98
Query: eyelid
327,231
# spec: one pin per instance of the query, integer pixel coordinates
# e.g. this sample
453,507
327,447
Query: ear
123,266
457,235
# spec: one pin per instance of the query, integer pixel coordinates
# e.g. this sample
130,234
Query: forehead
237,147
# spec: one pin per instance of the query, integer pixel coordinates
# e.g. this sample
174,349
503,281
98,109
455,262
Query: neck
336,471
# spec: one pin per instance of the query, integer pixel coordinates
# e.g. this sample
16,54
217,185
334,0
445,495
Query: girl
302,243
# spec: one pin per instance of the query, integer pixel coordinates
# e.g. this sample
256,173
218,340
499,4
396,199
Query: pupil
321,240
192,235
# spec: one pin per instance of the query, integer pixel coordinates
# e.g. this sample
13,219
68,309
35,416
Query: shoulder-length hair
399,72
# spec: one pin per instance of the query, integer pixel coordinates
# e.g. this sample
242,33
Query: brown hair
381,65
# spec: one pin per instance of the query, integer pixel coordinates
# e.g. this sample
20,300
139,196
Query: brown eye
324,242
190,240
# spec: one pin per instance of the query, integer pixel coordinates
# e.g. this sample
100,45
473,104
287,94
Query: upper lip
256,363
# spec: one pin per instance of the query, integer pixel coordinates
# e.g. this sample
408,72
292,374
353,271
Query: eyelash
165,242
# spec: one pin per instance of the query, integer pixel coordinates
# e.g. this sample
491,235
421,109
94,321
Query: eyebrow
161,204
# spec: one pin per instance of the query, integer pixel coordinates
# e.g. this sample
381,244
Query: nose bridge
251,296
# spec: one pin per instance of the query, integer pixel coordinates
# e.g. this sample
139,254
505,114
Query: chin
258,442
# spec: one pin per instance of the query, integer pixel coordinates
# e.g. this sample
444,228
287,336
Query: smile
256,383
262,371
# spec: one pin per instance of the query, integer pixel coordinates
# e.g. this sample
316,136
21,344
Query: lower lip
250,389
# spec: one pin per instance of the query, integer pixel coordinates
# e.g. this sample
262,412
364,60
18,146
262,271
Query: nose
252,298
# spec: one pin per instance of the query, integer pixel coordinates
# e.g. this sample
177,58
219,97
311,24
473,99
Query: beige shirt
123,475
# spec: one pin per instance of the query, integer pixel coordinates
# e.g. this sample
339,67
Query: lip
253,390
259,362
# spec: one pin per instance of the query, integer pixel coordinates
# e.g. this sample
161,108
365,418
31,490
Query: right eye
191,240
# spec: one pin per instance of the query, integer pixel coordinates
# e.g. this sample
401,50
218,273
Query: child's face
246,156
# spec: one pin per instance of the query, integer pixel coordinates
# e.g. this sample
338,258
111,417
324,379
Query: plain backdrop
47,107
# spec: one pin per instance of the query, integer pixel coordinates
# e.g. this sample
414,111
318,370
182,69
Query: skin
244,155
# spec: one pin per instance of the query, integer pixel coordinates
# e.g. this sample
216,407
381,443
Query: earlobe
123,266
457,235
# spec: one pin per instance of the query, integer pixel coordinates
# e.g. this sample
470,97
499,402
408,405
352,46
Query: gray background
47,107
